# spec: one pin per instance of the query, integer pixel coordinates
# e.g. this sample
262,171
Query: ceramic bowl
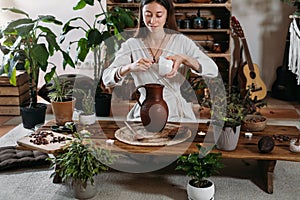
293,146
164,66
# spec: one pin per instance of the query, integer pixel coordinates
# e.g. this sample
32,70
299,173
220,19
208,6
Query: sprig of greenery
79,161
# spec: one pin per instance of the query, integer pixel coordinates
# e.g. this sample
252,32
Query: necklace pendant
154,60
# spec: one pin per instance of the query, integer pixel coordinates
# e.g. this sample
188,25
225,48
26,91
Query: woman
156,37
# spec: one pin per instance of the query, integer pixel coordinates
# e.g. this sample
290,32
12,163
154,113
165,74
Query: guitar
252,80
284,86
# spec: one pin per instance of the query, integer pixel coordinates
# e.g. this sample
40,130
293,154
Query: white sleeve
208,66
123,57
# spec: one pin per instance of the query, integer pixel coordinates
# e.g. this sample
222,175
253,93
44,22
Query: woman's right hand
142,64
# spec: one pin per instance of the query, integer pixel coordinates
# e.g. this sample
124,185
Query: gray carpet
239,180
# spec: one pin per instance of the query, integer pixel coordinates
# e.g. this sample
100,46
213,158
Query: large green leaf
15,10
94,37
67,60
40,55
11,27
81,4
49,19
82,49
48,76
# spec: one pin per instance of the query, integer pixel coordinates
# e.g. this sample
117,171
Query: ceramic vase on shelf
154,110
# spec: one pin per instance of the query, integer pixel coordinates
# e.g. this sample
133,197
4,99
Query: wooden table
246,149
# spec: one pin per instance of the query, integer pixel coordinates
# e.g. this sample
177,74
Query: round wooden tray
171,135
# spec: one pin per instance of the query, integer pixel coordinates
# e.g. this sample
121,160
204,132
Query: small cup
164,66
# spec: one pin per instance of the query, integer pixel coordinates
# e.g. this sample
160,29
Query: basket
254,123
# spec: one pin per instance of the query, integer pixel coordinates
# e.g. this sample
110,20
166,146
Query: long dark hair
170,25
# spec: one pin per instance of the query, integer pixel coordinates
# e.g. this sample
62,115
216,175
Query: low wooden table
246,149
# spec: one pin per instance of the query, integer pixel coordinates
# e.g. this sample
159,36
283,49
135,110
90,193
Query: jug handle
137,94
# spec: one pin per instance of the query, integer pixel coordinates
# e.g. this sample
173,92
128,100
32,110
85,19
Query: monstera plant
30,42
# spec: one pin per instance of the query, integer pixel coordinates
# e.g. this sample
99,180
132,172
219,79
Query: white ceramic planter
87,119
227,139
195,193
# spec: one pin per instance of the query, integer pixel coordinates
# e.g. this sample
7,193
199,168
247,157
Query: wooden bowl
254,123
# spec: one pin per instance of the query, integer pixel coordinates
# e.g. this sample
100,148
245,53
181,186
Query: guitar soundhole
252,75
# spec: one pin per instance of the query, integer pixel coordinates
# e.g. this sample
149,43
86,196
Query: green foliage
60,90
230,106
29,42
81,161
97,37
88,102
200,165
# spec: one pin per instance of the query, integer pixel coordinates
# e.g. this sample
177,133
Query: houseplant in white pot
61,99
200,166
88,115
228,110
79,163
30,43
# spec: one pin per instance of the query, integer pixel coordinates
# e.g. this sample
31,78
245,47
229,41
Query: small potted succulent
200,166
79,163
88,115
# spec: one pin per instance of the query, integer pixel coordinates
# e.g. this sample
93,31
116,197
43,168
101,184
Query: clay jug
154,110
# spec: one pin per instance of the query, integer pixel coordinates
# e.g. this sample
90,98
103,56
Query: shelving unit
205,37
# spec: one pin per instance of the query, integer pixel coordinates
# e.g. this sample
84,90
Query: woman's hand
181,59
142,64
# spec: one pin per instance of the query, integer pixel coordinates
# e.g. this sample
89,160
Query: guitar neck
247,54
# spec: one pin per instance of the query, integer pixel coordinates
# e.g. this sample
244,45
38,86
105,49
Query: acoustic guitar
252,79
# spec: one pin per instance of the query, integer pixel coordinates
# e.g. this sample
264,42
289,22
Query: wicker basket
254,123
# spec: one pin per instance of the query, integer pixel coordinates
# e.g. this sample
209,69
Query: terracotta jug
154,110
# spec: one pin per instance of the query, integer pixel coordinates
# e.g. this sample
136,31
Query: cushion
13,158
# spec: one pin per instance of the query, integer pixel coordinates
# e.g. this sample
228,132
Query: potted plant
97,39
88,115
200,166
228,109
29,42
79,163
61,99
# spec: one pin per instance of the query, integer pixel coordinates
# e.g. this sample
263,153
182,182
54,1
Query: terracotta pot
63,111
154,110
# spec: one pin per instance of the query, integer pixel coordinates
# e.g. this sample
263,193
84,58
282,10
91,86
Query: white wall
265,25
62,10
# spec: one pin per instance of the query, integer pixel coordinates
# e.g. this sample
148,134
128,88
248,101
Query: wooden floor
275,109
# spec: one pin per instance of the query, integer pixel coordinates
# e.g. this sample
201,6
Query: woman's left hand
181,59
177,61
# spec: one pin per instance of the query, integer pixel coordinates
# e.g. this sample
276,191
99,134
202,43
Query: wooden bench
246,149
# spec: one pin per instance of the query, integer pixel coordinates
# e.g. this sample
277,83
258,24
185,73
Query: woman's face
154,16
